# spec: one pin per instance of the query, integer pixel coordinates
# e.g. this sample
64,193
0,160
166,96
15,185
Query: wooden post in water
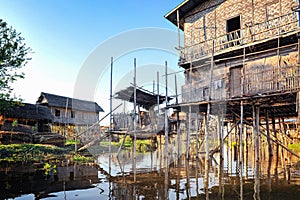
256,110
241,150
270,148
241,160
282,152
270,151
277,146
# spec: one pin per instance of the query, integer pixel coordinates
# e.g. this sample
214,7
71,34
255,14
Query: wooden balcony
253,34
256,82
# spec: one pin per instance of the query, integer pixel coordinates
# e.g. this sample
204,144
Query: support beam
275,141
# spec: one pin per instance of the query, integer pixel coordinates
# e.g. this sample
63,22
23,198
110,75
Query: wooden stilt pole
282,158
134,121
241,160
221,143
277,146
197,134
166,159
241,150
257,152
188,134
166,113
177,122
158,120
206,178
110,115
270,148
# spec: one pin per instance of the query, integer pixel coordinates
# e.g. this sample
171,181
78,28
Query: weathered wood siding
269,72
80,118
208,20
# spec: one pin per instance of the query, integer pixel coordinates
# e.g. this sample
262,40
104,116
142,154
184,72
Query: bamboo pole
270,149
177,122
197,134
134,121
166,113
206,177
178,32
157,125
284,157
257,152
110,114
188,134
275,141
277,146
221,144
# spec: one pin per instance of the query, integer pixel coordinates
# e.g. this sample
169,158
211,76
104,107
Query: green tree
13,56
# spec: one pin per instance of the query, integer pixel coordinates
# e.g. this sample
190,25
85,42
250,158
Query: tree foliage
13,56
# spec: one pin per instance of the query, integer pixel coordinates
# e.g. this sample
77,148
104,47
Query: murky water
155,178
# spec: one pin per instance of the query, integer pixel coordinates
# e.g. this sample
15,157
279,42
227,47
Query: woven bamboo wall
208,20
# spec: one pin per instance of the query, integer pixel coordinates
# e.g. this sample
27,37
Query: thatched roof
144,98
28,111
53,100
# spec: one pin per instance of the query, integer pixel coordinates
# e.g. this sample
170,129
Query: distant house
37,116
70,113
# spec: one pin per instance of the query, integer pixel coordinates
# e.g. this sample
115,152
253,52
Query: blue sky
63,34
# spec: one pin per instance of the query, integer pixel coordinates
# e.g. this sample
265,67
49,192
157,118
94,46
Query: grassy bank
40,153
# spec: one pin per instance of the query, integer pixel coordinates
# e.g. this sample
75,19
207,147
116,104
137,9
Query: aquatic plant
80,158
294,146
49,168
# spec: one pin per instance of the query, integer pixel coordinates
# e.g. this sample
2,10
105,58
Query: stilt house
70,113
243,54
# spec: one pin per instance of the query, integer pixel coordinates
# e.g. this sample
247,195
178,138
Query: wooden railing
256,82
253,33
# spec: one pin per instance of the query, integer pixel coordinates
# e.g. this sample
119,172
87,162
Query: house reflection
21,179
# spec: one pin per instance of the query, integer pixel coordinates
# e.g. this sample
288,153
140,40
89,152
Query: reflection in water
159,178
18,180
173,178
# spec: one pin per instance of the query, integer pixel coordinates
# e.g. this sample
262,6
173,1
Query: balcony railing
253,33
256,82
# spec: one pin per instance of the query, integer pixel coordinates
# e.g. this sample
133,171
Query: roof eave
172,15
185,7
